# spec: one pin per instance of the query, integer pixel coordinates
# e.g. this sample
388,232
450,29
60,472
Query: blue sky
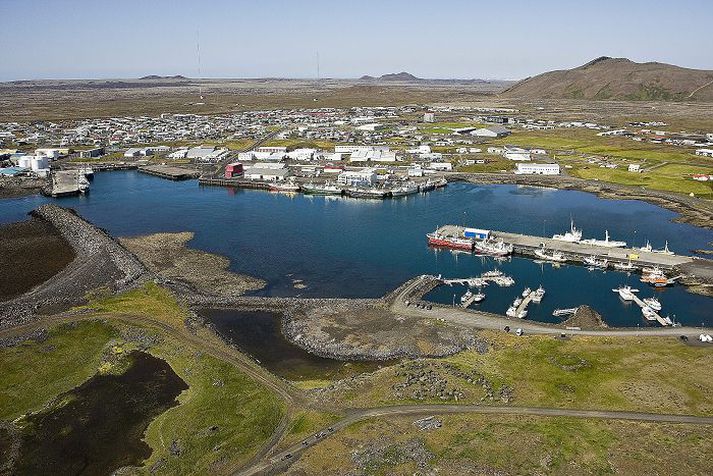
253,38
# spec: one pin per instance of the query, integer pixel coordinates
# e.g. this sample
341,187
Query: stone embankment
100,262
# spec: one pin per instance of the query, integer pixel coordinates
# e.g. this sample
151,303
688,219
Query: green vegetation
657,375
223,418
305,423
664,167
150,300
485,444
34,372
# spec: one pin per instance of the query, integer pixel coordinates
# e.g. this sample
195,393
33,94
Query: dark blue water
363,248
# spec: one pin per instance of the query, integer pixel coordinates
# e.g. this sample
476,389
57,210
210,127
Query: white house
357,177
443,166
704,152
429,117
378,155
634,168
537,169
517,154
415,171
421,149
350,149
272,149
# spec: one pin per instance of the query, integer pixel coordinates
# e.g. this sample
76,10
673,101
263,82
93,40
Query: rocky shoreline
13,187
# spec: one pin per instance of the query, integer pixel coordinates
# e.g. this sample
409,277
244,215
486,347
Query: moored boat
626,292
606,242
455,242
322,189
495,248
653,303
572,236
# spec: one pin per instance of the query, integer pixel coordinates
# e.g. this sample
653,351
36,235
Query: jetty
656,316
525,302
526,245
170,172
66,183
234,182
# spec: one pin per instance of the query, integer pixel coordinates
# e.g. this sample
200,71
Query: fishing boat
526,292
564,312
538,294
606,242
466,297
495,273
648,248
572,236
593,261
657,280
624,266
512,312
626,292
478,297
455,242
495,248
322,189
664,251
375,193
405,189
648,313
441,182
427,186
555,256
653,303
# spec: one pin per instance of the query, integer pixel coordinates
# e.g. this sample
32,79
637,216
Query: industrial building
234,170
373,155
91,153
491,132
537,169
266,174
353,178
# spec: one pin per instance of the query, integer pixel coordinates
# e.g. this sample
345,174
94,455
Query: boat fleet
395,190
649,306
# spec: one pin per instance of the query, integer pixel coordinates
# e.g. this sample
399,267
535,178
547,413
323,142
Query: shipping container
476,233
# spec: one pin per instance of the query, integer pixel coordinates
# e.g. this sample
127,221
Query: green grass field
484,444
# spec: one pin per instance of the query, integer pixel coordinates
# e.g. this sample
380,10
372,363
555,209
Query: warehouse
267,175
537,169
494,132
353,178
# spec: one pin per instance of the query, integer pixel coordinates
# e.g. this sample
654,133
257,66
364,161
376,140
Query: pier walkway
525,302
657,316
170,172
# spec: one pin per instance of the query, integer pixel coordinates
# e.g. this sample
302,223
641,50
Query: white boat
322,189
517,302
572,236
606,242
407,188
653,303
555,256
496,248
538,294
593,261
664,251
289,187
512,312
647,248
625,266
526,292
648,313
564,312
478,297
626,292
492,274
466,297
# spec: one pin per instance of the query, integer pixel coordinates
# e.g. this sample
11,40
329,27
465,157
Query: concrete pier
170,172
65,183
527,245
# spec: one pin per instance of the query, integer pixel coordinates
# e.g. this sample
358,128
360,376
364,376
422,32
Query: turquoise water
363,248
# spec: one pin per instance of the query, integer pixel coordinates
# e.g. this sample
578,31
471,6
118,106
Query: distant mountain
155,76
618,78
402,76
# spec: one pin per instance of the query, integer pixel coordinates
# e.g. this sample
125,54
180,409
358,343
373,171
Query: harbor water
317,246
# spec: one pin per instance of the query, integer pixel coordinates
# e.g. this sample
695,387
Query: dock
525,302
66,183
526,245
233,182
657,316
170,172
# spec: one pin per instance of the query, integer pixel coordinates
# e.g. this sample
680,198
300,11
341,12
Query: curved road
288,455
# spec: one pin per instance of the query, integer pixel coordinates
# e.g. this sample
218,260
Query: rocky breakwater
101,262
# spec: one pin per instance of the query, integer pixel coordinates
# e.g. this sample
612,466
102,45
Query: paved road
288,455
484,320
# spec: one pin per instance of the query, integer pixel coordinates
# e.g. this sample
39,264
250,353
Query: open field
32,100
222,419
664,167
657,375
483,444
